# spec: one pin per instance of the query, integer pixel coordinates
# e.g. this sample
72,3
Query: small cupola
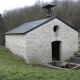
49,10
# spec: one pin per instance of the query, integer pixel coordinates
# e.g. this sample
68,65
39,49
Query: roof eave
14,33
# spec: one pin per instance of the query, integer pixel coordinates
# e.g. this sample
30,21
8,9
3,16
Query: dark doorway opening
56,50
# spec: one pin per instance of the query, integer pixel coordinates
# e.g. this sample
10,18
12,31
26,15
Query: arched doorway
56,50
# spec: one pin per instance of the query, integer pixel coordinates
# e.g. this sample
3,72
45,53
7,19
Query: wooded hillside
68,10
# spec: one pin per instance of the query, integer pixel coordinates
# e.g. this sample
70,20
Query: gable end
66,23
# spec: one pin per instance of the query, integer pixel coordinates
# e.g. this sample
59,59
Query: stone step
75,60
77,55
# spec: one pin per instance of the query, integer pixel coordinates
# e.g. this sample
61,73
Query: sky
12,4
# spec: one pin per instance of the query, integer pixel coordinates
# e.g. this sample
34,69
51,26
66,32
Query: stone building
43,40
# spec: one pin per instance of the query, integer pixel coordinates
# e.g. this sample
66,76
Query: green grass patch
13,69
78,47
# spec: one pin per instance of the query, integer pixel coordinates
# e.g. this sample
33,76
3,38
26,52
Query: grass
13,69
78,47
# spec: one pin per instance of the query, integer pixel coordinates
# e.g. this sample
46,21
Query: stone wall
16,44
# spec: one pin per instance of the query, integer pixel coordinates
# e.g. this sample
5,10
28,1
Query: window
55,28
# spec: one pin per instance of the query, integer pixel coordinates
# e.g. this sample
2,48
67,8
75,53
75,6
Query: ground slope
13,69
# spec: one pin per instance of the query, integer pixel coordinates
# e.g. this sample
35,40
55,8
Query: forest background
68,10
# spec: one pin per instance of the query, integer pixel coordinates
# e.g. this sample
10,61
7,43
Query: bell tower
49,10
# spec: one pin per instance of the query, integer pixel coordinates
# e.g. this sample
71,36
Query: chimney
49,11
